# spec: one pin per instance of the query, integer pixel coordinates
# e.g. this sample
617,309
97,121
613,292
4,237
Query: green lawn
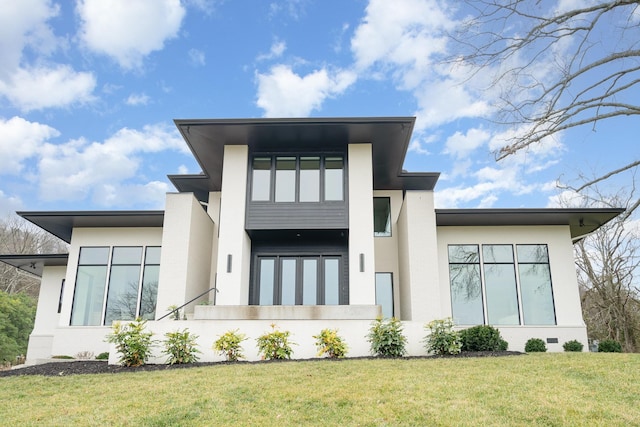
537,389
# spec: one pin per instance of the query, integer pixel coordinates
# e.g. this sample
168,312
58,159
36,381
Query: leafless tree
19,237
551,68
607,264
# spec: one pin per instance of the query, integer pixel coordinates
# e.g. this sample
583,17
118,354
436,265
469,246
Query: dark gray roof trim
61,224
35,264
580,221
389,136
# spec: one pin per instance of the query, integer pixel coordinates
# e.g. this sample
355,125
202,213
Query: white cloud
39,88
461,145
21,140
9,204
137,99
128,30
277,49
283,93
183,170
106,172
197,57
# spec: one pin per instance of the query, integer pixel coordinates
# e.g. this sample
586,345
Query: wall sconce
361,263
229,262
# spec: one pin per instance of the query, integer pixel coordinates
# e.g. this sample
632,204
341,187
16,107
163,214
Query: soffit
34,264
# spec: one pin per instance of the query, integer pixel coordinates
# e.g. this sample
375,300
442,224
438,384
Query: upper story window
287,178
381,216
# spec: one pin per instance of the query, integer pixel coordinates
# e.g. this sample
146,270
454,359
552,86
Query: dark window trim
390,218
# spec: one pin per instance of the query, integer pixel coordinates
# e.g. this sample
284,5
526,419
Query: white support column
234,245
361,246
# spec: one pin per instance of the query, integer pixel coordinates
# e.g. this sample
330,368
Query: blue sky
89,90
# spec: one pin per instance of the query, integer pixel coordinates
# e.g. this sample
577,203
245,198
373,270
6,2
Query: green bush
386,338
535,345
442,339
609,346
482,338
181,347
132,342
229,345
17,313
63,357
330,343
573,345
103,356
275,344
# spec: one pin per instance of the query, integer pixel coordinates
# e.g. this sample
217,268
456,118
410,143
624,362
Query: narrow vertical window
285,179
288,281
381,216
150,275
267,280
309,281
261,179
333,179
309,179
466,286
88,296
384,293
535,285
60,297
124,280
500,284
331,281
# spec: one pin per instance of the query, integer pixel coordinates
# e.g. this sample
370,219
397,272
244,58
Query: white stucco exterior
206,243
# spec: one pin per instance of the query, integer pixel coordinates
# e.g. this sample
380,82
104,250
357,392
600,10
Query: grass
536,389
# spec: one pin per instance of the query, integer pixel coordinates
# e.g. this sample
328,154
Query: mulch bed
102,367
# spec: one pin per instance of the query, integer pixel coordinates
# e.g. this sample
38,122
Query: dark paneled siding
306,216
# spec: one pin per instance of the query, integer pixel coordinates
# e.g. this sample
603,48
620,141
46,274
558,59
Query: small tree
442,339
181,347
386,338
132,342
229,345
330,343
275,344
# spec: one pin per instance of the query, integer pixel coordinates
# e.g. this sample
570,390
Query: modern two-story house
307,224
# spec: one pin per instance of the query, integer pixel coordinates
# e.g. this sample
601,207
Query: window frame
382,233
322,156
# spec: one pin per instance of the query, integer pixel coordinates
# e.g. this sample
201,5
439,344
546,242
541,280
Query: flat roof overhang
389,136
581,221
35,264
61,224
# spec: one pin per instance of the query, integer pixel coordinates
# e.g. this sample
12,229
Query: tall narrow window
384,293
150,275
381,216
88,296
500,283
310,281
285,179
288,272
466,286
261,182
267,280
535,285
331,281
122,297
333,179
310,179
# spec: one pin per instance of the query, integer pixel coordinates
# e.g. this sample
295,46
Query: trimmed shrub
330,343
275,344
386,338
181,347
229,345
103,356
482,338
535,345
609,346
442,339
132,342
573,345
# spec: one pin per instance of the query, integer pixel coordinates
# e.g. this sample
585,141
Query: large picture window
126,275
303,179
491,285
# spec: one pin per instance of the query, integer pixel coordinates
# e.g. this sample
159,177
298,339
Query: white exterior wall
418,258
47,317
185,261
213,209
570,324
386,248
361,283
233,286
69,340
